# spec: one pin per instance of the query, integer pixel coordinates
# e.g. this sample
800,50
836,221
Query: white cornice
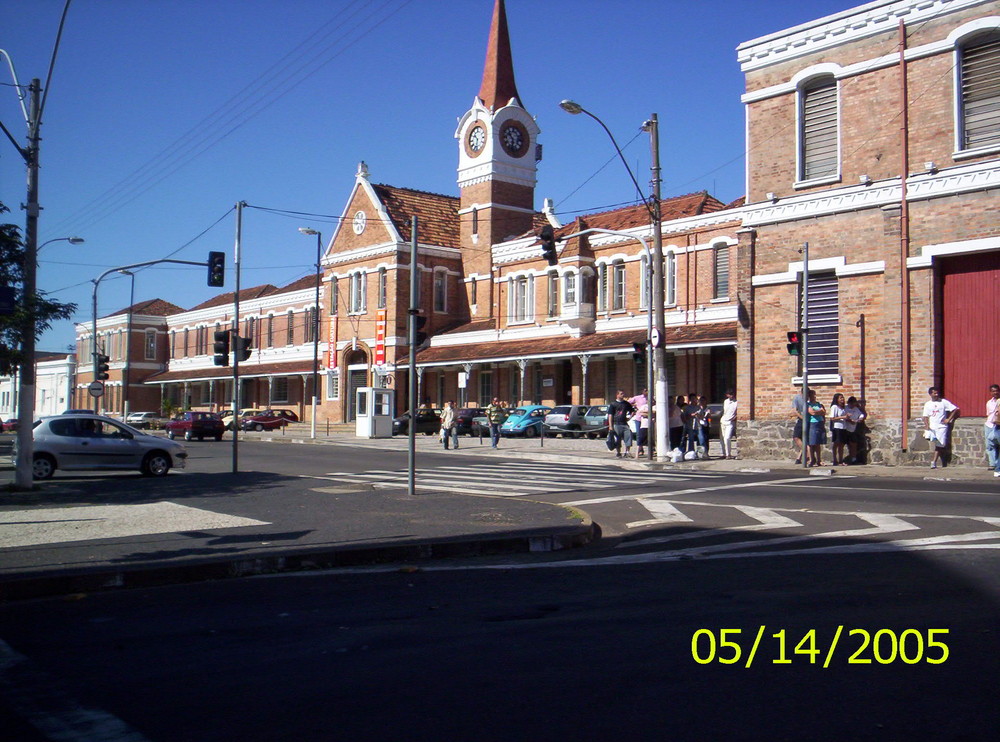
953,181
851,25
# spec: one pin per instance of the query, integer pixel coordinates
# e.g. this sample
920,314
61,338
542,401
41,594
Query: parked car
200,425
428,422
526,421
266,420
289,415
464,420
145,420
480,426
94,442
9,425
566,420
595,421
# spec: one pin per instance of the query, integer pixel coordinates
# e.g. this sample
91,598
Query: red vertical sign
332,352
380,337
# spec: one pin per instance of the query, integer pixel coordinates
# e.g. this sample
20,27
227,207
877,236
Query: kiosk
374,412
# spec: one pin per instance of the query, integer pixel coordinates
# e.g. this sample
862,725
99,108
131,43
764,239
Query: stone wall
772,441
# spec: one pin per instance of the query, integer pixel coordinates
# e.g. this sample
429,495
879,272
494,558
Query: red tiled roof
245,295
437,215
152,307
247,370
720,332
741,201
306,282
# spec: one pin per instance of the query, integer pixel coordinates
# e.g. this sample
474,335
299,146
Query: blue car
526,421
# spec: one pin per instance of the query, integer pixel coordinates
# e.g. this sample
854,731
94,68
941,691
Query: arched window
819,137
979,87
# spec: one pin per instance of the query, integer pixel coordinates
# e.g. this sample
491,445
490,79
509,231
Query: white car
94,442
144,419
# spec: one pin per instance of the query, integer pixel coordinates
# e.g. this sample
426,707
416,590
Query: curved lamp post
658,332
315,372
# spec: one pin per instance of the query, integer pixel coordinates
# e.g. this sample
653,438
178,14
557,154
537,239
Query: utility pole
233,341
23,478
657,335
411,336
804,328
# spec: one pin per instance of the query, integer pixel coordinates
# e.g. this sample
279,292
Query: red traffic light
794,343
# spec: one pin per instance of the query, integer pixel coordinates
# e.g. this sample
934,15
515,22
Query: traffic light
216,269
794,343
221,348
548,240
102,367
419,336
638,352
241,348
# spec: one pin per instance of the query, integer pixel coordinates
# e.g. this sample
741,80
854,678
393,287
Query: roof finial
498,86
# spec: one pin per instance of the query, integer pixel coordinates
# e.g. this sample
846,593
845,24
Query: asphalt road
852,609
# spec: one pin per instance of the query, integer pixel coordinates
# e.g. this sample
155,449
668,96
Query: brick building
874,136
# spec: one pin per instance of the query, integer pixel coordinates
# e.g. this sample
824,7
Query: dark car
264,421
465,420
200,425
428,422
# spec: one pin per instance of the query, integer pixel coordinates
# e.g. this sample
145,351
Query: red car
9,426
200,425
265,421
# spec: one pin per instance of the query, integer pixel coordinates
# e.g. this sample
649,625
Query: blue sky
162,114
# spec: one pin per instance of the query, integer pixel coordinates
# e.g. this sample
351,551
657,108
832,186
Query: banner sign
332,352
380,316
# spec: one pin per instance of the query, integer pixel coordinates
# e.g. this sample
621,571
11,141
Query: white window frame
619,286
440,291
803,87
150,345
570,291
971,35
520,297
721,259
670,279
644,282
358,292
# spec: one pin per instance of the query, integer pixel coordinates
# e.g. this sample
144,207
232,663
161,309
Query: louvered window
721,272
818,133
980,71
823,322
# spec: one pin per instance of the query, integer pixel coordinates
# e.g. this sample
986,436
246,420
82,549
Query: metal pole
411,458
23,476
804,326
661,405
232,339
128,347
315,385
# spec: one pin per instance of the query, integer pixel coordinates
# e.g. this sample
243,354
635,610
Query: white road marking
677,493
768,520
61,525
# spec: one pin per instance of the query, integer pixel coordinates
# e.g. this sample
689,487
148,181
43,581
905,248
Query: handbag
612,440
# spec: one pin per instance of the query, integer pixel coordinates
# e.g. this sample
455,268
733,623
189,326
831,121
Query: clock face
360,222
514,138
477,138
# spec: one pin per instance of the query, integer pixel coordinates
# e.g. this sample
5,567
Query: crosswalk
512,478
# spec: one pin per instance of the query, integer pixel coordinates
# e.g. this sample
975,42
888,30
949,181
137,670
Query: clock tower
497,154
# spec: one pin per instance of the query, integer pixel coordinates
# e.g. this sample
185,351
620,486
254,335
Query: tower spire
498,85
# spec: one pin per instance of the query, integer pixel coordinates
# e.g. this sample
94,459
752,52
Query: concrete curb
97,579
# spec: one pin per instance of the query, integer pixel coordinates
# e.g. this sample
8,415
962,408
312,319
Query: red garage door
970,343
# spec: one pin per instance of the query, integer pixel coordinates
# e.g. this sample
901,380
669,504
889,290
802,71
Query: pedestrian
690,423
703,418
817,429
639,401
642,438
838,428
619,413
853,415
496,414
939,414
991,429
676,422
799,405
727,424
449,431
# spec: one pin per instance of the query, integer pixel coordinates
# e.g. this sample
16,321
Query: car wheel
187,435
171,435
156,464
530,432
592,436
43,467
258,427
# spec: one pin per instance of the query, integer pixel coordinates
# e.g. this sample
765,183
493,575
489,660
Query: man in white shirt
939,414
991,429
727,424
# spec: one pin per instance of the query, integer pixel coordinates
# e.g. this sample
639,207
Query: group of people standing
844,417
690,420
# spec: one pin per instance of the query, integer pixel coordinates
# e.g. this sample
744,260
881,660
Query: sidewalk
77,535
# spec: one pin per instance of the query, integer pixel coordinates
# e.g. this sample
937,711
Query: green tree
45,310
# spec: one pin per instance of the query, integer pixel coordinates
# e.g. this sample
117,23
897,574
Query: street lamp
315,373
24,464
128,346
658,333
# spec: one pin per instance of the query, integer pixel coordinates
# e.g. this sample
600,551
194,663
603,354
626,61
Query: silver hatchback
94,442
567,420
